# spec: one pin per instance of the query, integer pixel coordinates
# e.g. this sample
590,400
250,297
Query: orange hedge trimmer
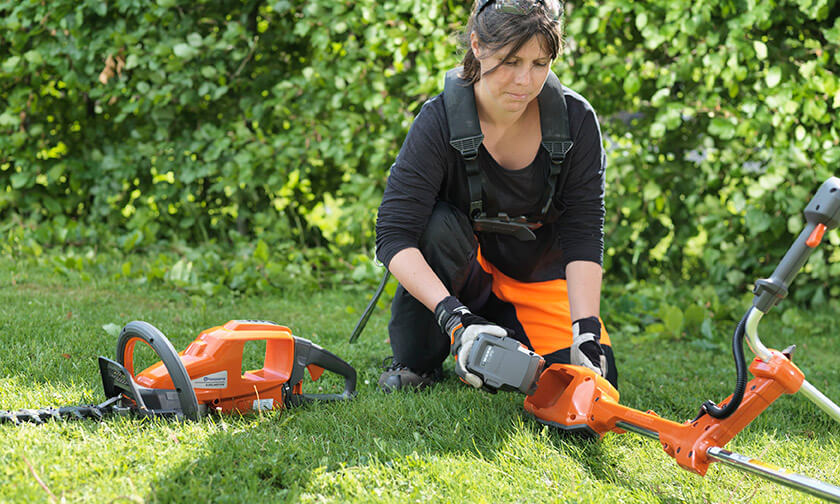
206,377
575,399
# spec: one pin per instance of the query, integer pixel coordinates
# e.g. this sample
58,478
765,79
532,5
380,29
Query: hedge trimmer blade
125,396
84,412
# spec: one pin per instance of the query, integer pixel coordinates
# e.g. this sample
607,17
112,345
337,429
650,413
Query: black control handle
308,353
821,214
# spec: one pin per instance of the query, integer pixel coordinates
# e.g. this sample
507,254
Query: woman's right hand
463,327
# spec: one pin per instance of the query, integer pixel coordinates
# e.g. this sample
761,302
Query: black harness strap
556,137
465,136
465,133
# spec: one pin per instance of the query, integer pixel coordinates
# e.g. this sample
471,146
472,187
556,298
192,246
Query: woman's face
515,81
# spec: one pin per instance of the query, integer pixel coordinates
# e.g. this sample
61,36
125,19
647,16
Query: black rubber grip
308,353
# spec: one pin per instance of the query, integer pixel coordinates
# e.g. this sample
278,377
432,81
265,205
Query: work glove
463,327
586,345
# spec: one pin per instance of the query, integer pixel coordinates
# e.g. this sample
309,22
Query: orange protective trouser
538,313
542,308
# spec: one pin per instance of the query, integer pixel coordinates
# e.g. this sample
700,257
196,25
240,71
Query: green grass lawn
448,444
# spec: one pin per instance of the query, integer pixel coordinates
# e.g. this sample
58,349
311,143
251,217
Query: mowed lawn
447,444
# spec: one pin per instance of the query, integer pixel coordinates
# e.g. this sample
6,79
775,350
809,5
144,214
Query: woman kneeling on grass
463,270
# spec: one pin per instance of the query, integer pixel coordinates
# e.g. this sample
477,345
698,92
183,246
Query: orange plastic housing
575,398
214,363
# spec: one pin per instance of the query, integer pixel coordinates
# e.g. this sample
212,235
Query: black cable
366,315
740,382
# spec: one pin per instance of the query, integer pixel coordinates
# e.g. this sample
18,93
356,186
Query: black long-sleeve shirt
428,169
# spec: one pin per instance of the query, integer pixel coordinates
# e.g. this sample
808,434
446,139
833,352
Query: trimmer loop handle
821,214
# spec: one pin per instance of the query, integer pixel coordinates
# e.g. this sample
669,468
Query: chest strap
466,137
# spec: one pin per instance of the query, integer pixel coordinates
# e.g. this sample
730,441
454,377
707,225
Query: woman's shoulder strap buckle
461,114
554,120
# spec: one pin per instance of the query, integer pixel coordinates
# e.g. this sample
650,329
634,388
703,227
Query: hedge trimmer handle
114,383
308,353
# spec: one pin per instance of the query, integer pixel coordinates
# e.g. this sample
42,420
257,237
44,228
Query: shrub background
269,127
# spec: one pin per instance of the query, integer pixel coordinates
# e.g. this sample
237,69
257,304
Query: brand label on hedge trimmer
217,380
262,404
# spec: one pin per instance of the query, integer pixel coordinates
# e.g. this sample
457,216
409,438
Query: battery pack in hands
504,364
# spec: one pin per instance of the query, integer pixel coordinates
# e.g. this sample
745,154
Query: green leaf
195,40
632,84
131,61
184,51
707,330
771,181
7,119
651,191
11,63
656,328
832,35
831,156
181,273
113,330
760,49
658,99
672,317
208,72
657,130
641,20
130,241
773,77
261,252
816,109
694,315
757,221
722,128
20,180
34,57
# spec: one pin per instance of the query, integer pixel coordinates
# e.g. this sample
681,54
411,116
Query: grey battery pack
505,364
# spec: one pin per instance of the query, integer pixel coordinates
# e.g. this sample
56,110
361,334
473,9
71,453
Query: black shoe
399,376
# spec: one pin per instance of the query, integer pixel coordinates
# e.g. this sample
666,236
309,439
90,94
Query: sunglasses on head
522,7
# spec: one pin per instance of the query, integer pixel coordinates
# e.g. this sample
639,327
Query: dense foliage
192,120
722,120
267,127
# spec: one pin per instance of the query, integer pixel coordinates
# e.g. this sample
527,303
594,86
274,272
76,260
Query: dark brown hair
496,29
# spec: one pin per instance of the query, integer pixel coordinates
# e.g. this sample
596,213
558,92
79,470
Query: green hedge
276,121
197,119
732,126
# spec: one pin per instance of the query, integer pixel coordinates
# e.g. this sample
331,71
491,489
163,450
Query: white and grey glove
463,327
586,345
